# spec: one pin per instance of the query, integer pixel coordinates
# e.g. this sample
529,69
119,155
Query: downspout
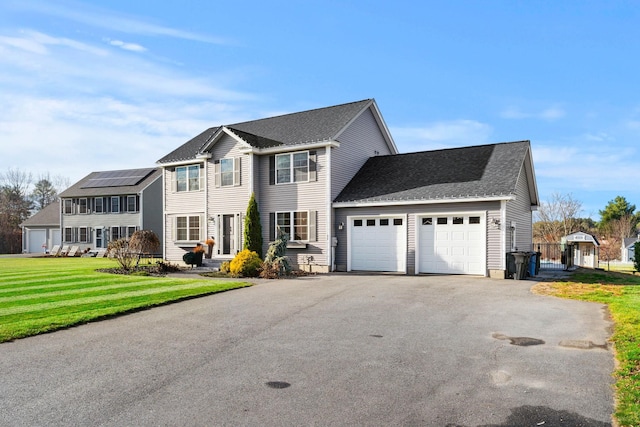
503,235
206,199
164,214
329,223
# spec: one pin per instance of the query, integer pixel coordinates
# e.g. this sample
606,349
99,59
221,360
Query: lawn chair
64,251
101,253
73,251
55,250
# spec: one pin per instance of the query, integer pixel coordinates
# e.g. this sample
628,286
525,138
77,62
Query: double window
298,225
188,178
294,167
188,228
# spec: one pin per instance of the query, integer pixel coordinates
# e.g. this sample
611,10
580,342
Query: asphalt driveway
325,350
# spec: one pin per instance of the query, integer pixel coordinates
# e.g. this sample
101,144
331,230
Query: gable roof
90,185
321,124
49,216
581,236
630,241
476,172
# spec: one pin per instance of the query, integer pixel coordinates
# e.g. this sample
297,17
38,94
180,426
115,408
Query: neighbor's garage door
452,244
36,239
378,244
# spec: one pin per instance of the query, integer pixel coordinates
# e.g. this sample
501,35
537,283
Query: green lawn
621,292
44,294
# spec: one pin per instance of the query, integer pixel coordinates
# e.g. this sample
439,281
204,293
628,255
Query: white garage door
378,244
36,239
452,244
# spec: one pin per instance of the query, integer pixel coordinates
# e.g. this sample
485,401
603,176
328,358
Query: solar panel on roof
123,178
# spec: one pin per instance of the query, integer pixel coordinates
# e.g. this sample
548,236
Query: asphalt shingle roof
320,124
477,171
78,190
48,216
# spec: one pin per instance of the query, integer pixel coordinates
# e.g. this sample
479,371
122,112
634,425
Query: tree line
20,197
560,216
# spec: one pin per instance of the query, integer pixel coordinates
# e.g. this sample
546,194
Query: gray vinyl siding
151,210
411,212
495,254
227,200
179,204
519,211
361,140
302,196
186,201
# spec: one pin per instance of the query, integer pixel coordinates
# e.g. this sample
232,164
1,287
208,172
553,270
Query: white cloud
441,135
102,18
550,114
128,46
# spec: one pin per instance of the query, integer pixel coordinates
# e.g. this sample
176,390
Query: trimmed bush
245,264
225,267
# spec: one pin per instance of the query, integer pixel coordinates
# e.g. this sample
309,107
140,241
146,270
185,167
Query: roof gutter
357,204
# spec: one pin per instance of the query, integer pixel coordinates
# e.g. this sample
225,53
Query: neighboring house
105,206
585,249
333,180
628,248
41,231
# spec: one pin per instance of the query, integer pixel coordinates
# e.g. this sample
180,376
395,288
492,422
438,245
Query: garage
36,239
377,244
451,244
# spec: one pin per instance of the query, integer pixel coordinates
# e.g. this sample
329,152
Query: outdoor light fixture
341,225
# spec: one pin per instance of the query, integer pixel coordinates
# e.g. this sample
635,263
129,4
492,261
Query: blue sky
102,85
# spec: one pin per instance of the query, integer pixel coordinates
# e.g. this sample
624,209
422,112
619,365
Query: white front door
451,244
377,244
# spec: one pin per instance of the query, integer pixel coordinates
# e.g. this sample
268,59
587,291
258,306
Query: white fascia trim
290,148
420,202
182,162
232,135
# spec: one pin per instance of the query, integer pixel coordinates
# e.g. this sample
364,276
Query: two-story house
108,205
333,180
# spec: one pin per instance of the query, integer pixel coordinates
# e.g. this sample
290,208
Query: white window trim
64,206
188,185
86,206
111,204
201,225
95,210
86,234
134,203
293,225
292,179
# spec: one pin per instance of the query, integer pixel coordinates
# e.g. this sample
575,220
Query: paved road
324,350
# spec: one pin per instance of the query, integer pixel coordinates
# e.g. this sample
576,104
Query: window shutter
174,228
202,228
236,171
312,226
272,170
216,173
89,234
313,157
272,225
173,177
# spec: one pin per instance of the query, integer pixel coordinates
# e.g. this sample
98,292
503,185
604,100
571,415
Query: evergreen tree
253,228
43,193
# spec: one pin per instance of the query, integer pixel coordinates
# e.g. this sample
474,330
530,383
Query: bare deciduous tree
557,217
